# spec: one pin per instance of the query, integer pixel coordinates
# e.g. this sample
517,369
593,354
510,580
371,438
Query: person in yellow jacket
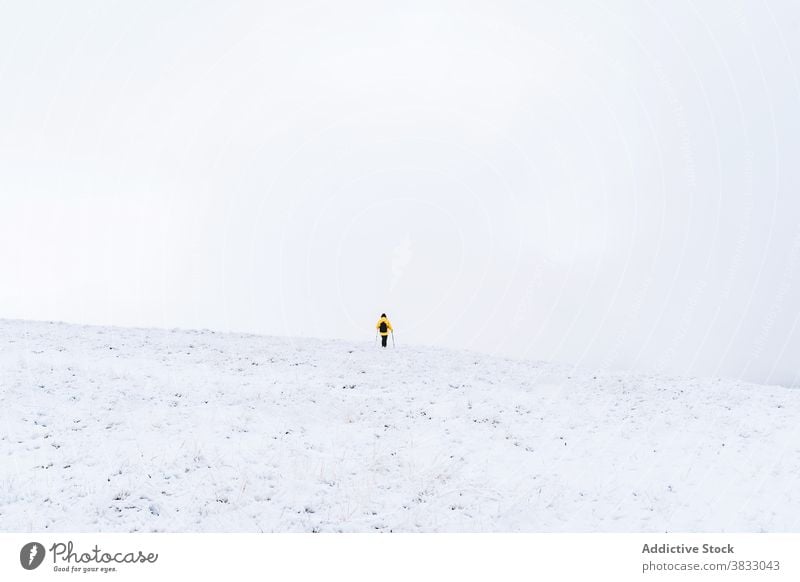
384,326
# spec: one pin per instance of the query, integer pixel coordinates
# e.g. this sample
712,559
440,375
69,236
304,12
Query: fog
609,184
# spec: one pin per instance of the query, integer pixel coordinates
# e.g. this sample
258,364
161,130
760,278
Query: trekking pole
375,343
393,344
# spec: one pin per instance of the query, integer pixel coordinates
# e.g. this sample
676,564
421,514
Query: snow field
110,429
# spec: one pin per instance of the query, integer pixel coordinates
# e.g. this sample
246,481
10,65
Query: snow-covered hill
108,429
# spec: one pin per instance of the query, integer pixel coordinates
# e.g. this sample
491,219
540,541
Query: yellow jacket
388,325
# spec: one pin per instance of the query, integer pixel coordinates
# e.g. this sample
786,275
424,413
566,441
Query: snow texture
108,429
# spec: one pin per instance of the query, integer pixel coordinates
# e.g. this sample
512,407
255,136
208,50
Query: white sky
613,184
